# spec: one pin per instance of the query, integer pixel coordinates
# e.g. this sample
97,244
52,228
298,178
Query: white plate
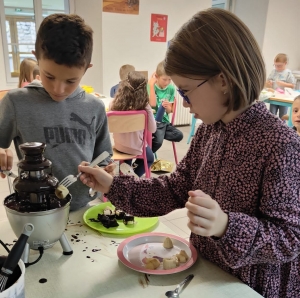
133,250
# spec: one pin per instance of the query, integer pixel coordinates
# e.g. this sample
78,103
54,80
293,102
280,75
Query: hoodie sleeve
8,121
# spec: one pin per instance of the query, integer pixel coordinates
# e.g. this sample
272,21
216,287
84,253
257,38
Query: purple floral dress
251,167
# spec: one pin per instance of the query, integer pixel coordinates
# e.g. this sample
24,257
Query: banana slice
170,263
61,192
168,243
151,263
182,256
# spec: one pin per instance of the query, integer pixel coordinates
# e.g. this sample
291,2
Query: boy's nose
58,88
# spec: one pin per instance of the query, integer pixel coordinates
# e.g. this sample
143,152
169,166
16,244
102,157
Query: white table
103,275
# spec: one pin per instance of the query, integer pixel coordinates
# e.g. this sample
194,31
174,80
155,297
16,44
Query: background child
161,92
72,123
280,77
132,95
36,73
296,114
123,72
26,72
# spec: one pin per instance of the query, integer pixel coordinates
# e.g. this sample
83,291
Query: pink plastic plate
133,250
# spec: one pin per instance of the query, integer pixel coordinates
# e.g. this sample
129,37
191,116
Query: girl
296,114
132,95
240,177
26,72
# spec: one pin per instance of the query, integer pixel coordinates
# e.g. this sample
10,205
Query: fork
67,181
8,173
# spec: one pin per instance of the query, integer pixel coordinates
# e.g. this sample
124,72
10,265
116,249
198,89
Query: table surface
100,273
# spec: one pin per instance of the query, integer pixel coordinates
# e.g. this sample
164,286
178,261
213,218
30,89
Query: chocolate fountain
34,201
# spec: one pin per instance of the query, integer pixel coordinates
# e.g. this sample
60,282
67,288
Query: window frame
38,18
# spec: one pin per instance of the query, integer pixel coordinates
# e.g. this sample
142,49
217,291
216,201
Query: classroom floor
176,220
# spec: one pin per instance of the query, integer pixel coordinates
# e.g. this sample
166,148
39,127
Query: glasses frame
184,94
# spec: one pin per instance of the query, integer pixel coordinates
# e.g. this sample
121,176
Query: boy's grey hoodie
74,130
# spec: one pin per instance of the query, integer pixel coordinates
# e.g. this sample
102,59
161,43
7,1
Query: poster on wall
121,6
158,26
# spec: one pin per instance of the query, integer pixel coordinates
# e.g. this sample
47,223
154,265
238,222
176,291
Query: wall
282,33
91,13
253,13
126,38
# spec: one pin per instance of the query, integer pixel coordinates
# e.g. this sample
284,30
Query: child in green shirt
161,92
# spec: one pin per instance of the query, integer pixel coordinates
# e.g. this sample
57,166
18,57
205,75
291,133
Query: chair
173,143
3,93
192,130
130,121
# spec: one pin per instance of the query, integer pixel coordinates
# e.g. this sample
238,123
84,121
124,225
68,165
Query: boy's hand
110,168
96,178
153,79
280,83
6,160
206,216
167,105
269,84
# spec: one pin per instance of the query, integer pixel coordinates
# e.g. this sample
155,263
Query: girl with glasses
240,177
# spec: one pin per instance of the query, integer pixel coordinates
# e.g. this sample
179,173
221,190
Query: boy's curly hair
132,93
65,39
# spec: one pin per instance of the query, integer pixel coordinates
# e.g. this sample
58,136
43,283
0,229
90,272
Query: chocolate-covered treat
119,214
128,219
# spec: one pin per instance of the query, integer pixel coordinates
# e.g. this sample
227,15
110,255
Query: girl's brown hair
26,71
132,93
215,41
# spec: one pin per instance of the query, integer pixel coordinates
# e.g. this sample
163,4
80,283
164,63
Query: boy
73,124
280,77
296,114
123,72
161,92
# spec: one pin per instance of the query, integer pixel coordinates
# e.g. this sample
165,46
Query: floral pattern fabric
251,167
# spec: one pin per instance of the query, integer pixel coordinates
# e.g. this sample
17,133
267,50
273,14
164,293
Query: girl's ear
221,81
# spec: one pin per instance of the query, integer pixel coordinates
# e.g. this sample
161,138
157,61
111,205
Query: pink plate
133,250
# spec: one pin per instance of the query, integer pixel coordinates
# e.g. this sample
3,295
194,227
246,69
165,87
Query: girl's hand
205,215
96,178
6,160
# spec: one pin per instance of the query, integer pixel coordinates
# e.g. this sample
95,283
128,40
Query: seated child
296,114
279,78
163,93
36,73
132,95
26,72
123,72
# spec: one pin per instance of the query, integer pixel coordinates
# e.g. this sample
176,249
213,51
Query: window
19,23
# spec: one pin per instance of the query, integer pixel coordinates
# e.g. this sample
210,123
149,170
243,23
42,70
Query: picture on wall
158,31
121,6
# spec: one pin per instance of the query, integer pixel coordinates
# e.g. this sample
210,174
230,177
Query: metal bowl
48,225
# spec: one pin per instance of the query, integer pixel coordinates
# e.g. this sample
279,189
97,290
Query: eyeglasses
184,94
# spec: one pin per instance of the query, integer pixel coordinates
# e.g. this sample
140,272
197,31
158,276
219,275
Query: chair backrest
3,93
174,111
127,121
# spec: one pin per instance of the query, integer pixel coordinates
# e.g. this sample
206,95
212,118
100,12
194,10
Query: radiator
183,116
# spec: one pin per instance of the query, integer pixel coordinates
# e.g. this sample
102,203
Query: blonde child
296,114
279,78
26,72
123,72
162,93
132,95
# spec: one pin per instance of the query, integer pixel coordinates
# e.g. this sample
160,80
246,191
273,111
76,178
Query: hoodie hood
39,86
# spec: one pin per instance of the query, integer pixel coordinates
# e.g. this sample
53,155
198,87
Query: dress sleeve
157,196
273,234
151,120
8,122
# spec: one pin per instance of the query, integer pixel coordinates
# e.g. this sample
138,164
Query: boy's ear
90,65
33,52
